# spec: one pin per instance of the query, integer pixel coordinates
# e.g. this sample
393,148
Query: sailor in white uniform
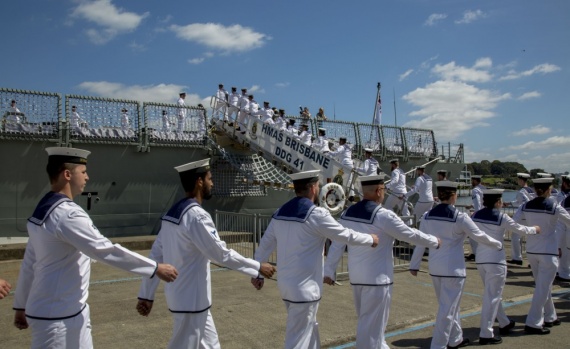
76,122
281,122
233,104
291,128
397,187
343,154
370,166
492,265
371,271
253,108
125,122
13,117
524,195
554,193
441,176
542,253
267,114
563,273
322,143
243,110
165,121
181,112
52,290
477,198
305,136
189,240
447,264
221,103
423,187
298,230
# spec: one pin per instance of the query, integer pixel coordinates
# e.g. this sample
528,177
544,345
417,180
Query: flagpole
375,112
395,115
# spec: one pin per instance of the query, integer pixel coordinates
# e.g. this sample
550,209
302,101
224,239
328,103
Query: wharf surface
248,319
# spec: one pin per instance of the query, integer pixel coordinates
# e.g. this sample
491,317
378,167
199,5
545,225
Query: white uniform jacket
299,230
451,226
188,240
477,197
306,138
181,110
322,144
267,115
423,187
244,104
495,223
373,266
54,277
234,98
343,154
562,231
369,167
397,182
545,213
525,194
221,97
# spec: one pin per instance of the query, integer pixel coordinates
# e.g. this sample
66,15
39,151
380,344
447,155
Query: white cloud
470,16
533,130
111,19
434,18
196,60
282,84
539,69
233,38
529,95
452,107
406,74
552,142
164,93
451,71
255,88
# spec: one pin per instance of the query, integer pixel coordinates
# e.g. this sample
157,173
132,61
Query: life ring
332,198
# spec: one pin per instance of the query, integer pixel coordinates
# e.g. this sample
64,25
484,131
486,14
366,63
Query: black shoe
552,323
471,257
534,330
507,329
464,343
514,261
494,340
559,278
231,124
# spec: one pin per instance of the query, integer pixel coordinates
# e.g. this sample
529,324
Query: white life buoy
332,198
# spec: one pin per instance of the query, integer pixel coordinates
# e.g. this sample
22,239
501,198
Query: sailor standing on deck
370,166
477,198
305,136
343,154
291,127
181,112
267,114
243,110
52,290
189,240
298,231
423,187
322,143
542,253
233,102
447,264
492,266
524,195
221,103
397,186
372,270
281,123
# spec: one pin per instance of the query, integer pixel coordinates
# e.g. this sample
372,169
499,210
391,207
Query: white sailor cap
182,93
476,177
543,175
372,180
421,167
442,171
523,175
200,166
309,176
63,155
393,161
565,177
446,185
368,150
322,129
545,180
493,192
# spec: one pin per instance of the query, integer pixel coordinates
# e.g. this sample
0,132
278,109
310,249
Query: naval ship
135,145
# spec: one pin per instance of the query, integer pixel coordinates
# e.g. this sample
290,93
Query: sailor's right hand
375,240
537,228
414,272
20,320
266,269
328,280
144,307
166,272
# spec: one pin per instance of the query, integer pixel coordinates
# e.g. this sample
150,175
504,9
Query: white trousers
421,208
473,244
372,305
542,307
220,110
302,330
233,110
74,332
193,331
564,262
447,330
242,120
392,201
493,276
516,247
180,123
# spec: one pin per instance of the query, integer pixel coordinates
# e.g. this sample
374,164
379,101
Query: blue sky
492,74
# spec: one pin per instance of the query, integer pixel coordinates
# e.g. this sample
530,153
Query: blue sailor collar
46,205
427,177
174,215
442,212
488,216
528,190
297,209
363,211
540,205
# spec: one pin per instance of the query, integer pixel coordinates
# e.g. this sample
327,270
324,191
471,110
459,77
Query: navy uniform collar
442,212
297,209
363,211
488,216
174,215
46,205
